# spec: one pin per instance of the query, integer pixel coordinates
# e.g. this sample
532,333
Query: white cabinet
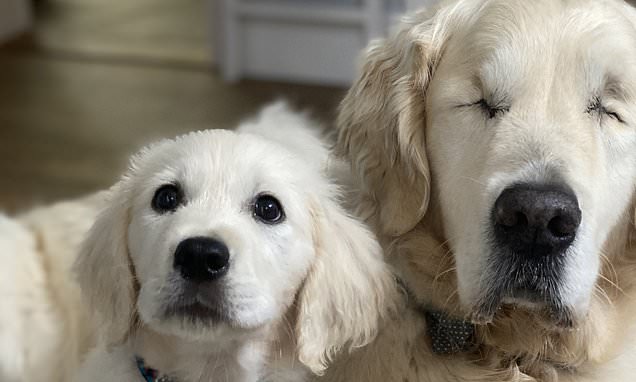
311,41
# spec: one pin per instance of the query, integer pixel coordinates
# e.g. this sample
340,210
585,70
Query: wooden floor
70,115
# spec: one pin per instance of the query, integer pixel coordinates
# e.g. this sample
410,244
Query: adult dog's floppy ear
347,292
634,216
382,121
104,269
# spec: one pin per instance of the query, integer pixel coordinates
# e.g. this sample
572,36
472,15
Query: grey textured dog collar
448,335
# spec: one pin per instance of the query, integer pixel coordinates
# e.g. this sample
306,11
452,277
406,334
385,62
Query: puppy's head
524,112
215,235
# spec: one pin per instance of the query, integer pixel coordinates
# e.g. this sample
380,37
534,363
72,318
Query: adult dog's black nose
535,220
201,259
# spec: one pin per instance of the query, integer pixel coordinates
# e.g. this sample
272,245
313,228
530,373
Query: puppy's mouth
197,304
197,312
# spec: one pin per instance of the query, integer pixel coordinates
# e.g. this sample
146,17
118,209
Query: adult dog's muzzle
533,226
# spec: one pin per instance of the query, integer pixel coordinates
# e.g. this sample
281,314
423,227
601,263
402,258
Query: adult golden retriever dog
494,145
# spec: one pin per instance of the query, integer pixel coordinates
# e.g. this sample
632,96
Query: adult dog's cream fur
462,102
44,328
295,292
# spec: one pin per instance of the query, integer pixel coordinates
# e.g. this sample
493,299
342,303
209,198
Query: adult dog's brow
616,89
495,95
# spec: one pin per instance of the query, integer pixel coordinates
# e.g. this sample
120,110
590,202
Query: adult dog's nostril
536,219
201,259
564,225
510,218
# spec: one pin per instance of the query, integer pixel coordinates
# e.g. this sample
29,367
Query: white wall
15,17
417,4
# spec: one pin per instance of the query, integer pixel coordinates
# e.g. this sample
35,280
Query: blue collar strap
150,374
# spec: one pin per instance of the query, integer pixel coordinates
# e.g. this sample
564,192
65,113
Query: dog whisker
613,279
612,284
473,180
441,274
450,297
600,291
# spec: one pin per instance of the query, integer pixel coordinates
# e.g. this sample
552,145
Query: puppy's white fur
295,292
430,162
44,328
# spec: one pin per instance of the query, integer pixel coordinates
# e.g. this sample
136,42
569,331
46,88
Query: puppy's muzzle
534,220
201,259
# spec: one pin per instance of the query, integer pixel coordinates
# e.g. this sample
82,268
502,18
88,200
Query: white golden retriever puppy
226,256
44,327
494,143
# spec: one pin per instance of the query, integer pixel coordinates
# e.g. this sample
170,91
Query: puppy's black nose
201,259
536,220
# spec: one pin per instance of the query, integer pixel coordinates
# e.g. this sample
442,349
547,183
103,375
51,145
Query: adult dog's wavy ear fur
382,121
348,291
104,269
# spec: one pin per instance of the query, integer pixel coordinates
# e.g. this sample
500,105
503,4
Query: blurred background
85,83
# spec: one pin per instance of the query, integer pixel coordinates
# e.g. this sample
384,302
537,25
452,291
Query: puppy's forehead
211,159
514,40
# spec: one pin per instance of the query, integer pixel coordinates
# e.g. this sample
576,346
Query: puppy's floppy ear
347,292
382,120
104,269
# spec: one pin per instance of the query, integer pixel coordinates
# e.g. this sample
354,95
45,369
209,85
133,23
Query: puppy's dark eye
490,110
268,209
167,198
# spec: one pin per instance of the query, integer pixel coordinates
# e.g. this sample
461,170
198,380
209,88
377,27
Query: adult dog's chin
518,285
551,315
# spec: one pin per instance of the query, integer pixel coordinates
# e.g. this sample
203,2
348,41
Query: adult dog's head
516,122
217,235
